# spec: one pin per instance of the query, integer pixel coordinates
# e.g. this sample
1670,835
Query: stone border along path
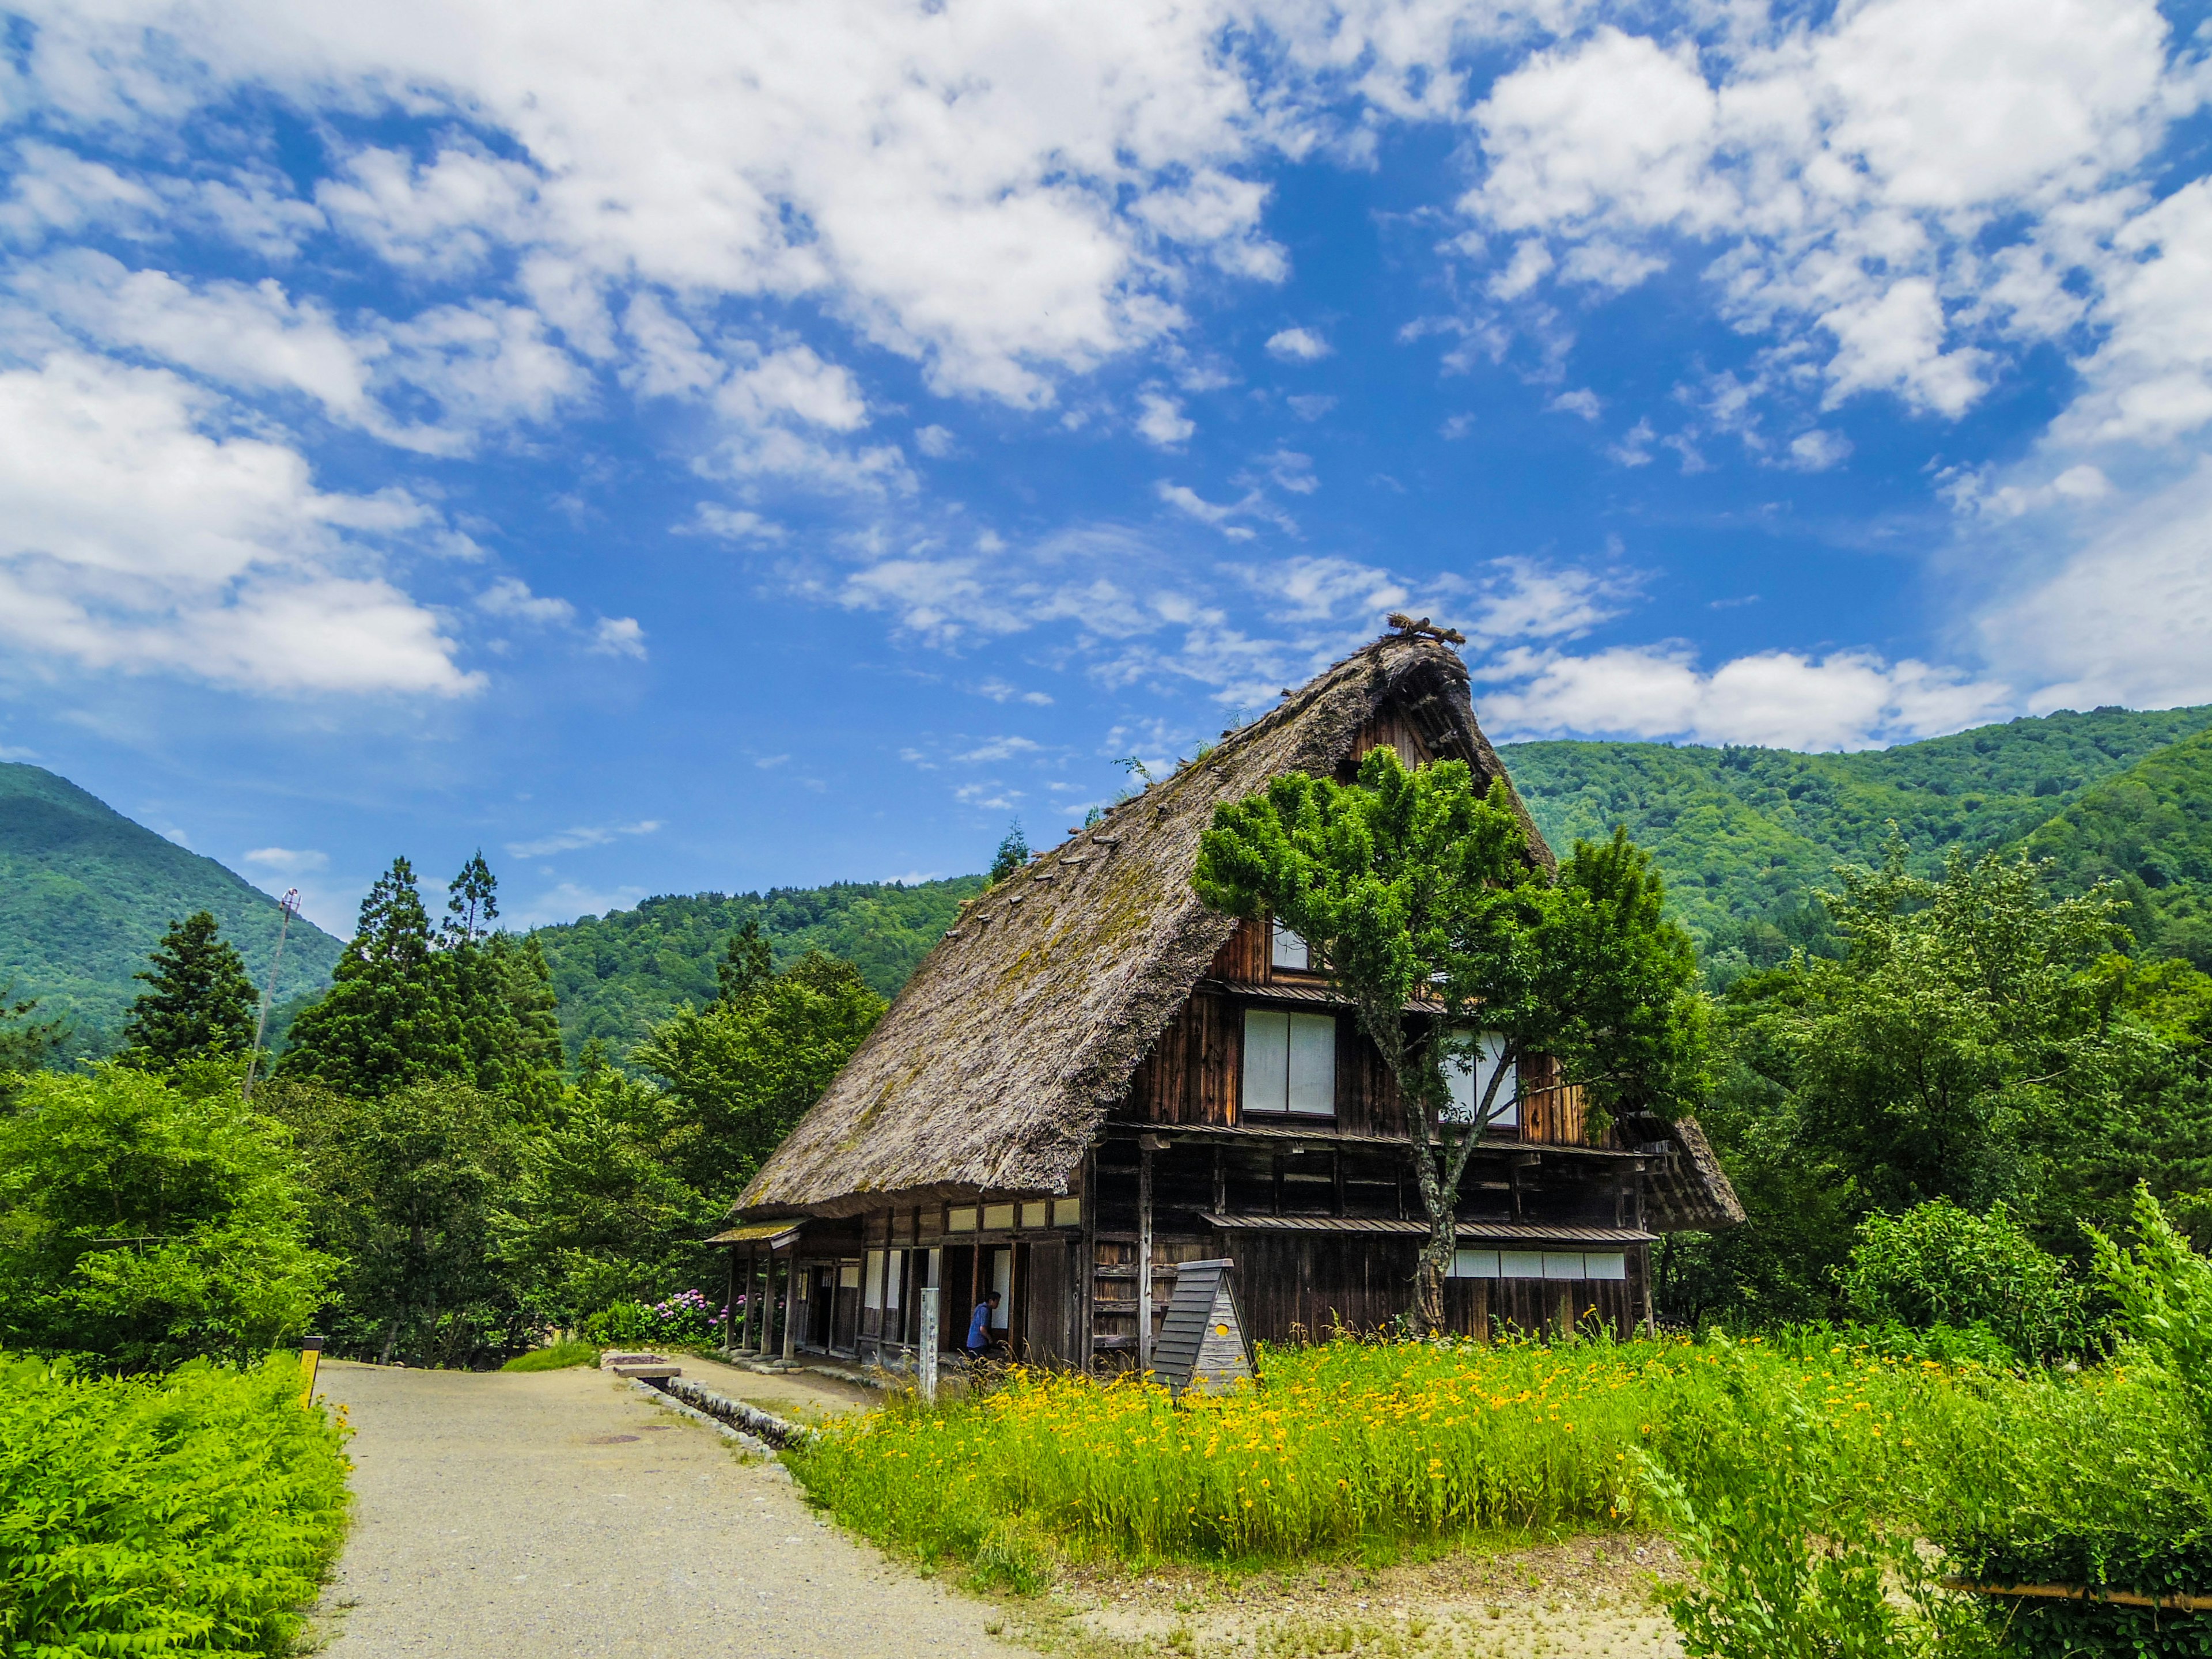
553,1513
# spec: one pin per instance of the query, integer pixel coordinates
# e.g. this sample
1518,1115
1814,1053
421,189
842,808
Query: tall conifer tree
389,1019
198,1002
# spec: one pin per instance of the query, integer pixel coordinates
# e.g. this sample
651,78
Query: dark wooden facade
1320,1215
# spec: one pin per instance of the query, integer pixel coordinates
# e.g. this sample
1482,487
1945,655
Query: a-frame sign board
1201,1345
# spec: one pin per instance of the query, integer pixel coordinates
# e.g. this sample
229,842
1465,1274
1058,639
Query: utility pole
287,908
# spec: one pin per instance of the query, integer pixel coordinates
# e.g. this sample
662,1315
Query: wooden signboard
1202,1344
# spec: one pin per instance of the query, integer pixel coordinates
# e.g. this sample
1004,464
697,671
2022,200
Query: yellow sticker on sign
1221,1330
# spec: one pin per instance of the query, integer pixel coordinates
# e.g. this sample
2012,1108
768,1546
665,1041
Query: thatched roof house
1092,994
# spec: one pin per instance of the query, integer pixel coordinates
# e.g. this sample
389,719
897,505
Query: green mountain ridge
85,893
616,975
1743,836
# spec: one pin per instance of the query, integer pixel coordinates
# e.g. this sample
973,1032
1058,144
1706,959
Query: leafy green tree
405,1185
597,1213
198,1002
471,903
26,1042
1413,886
144,1226
536,1062
1014,853
1940,1265
388,1020
745,1068
1980,1042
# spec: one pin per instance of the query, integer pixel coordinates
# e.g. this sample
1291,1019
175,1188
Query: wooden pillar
1144,1253
1087,1349
730,1306
791,1303
767,1303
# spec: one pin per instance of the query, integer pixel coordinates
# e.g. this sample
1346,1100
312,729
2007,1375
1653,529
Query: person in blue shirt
979,1327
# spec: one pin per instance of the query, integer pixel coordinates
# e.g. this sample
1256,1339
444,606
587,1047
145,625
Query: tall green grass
191,1514
1344,1444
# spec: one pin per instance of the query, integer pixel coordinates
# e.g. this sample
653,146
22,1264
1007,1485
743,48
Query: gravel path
559,1513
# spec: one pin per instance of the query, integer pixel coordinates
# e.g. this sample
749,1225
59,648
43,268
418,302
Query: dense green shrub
686,1320
190,1514
1937,1264
145,1225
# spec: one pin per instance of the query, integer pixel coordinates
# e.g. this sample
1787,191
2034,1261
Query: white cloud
1634,448
567,841
1582,402
2124,615
131,537
999,690
1292,471
935,441
442,219
510,596
618,636
997,749
286,860
1916,185
1817,450
1185,500
1311,405
569,900
1519,599
735,523
1163,423
1298,345
1779,699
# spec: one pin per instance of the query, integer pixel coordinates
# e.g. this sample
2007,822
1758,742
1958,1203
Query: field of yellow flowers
1347,1443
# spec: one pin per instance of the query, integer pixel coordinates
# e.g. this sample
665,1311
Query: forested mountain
2150,828
617,974
85,893
1743,836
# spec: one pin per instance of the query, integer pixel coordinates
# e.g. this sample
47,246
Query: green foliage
619,974
198,1000
1743,836
410,1006
387,1021
1937,1264
1976,1044
1014,853
1790,1555
1411,884
28,1044
686,1320
406,1185
194,1513
743,1070
2150,830
559,1356
84,894
598,1211
143,1226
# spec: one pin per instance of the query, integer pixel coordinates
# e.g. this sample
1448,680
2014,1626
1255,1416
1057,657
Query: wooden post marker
311,1359
925,1358
1202,1343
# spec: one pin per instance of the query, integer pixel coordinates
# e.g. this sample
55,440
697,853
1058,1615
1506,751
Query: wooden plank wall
1192,1073
1247,956
1390,725
1298,1287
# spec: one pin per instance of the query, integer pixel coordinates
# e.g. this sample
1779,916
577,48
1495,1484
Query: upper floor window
1470,1062
1289,1062
1290,950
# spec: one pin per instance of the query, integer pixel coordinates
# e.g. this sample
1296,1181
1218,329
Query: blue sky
695,446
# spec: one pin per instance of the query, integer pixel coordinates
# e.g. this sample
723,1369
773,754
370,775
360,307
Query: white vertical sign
925,1359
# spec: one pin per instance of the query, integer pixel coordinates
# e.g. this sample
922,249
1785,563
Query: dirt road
558,1513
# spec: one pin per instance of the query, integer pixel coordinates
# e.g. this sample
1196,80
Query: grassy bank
194,1513
1348,1444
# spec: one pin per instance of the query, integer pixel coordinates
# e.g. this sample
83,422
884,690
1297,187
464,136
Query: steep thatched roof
1000,1060
1018,1033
